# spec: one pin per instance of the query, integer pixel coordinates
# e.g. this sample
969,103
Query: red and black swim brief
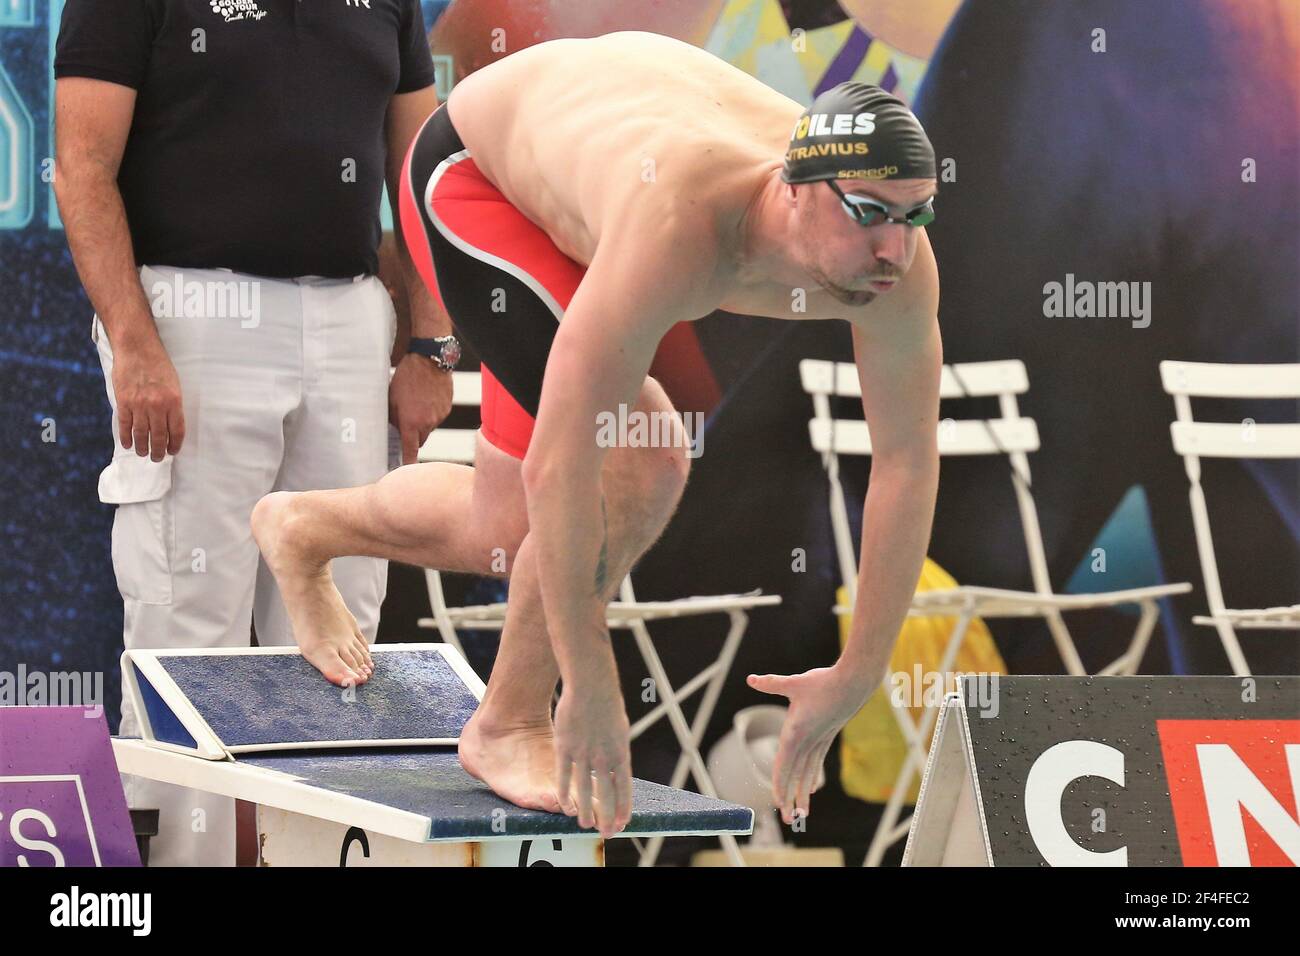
499,276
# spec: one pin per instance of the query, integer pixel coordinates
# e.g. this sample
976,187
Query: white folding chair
457,445
1013,436
1246,439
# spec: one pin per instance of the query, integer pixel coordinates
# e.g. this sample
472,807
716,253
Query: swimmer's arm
899,357
631,295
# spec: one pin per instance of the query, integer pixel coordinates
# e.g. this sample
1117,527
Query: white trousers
285,387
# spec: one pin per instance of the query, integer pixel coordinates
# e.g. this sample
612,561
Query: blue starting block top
261,724
244,699
225,701
432,784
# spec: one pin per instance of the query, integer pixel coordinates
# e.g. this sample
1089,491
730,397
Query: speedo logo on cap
879,172
835,124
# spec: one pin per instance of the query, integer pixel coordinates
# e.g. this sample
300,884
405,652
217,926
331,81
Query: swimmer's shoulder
913,303
671,245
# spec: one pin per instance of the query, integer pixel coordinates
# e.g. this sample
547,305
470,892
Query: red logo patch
1234,786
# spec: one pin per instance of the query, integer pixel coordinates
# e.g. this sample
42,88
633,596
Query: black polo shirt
258,138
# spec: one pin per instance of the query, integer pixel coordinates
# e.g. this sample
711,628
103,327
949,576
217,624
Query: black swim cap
858,131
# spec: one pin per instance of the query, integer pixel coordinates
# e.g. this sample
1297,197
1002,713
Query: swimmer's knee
677,464
665,464
654,478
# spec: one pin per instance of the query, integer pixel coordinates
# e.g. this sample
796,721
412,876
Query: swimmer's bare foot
517,760
324,628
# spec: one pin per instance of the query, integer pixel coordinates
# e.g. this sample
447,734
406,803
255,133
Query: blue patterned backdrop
61,607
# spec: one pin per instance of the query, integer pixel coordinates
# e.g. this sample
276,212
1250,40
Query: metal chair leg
914,761
1064,643
739,622
681,729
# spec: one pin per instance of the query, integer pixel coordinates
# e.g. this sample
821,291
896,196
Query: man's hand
92,121
150,413
419,400
821,703
591,741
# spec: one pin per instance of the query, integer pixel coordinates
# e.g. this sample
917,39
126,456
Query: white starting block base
285,838
367,778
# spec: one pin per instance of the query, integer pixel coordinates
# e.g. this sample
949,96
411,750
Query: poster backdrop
1152,143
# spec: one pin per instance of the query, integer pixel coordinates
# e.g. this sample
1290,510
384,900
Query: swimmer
567,226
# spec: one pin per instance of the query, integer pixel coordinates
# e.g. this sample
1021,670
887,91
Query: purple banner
61,801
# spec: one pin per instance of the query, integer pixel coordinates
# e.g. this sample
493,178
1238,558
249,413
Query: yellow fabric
872,747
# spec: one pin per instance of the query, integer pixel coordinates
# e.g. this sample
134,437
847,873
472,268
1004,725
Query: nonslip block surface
280,698
430,782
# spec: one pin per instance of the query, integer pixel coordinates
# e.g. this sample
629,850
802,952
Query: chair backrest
456,444
1011,434
1195,440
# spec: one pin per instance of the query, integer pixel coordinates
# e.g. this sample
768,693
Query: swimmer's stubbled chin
849,296
839,293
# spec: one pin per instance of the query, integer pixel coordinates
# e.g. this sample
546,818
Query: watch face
451,352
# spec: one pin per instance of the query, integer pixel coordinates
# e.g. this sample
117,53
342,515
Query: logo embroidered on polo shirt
232,10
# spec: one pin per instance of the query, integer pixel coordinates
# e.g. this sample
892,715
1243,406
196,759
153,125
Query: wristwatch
444,351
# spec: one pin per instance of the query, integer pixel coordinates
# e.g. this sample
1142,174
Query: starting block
364,776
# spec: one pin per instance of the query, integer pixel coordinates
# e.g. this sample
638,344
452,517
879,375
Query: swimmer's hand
593,756
821,703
